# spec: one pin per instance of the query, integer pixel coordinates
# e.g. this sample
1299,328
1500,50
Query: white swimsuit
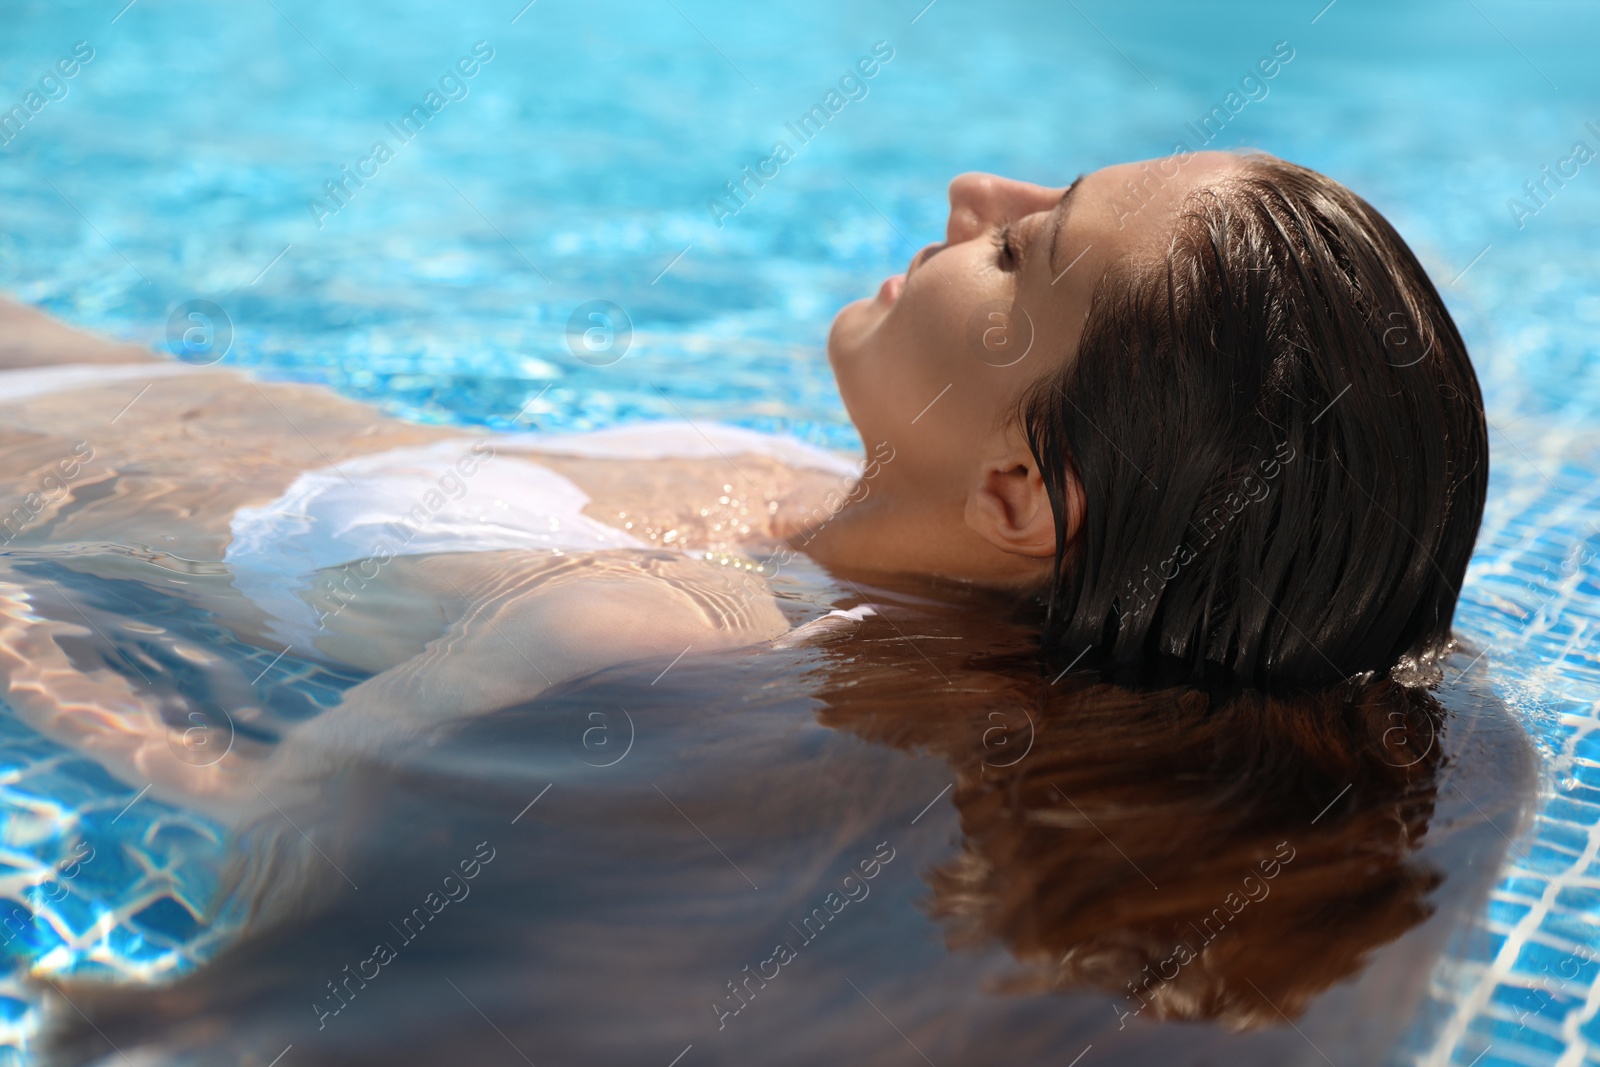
461,495
444,497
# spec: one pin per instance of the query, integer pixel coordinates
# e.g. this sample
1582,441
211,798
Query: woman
1231,438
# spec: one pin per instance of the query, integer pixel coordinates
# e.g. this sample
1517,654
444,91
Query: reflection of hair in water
1196,858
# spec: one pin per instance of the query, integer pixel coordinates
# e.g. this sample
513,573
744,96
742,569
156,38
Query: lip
889,291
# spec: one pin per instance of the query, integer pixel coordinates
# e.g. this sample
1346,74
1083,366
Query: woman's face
936,362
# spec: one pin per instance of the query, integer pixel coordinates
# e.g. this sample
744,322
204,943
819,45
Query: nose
978,202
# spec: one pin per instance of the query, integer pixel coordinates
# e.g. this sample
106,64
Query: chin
849,330
847,343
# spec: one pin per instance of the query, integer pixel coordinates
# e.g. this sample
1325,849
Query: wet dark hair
1281,446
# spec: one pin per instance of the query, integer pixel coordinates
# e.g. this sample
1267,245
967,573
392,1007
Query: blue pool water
187,160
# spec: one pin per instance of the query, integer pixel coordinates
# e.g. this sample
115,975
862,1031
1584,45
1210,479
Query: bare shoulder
629,606
524,624
548,616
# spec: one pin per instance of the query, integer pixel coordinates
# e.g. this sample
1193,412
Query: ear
1009,507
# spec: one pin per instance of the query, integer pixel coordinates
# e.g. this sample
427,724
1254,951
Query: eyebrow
1063,206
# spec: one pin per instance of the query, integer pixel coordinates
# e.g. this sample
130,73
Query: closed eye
1005,250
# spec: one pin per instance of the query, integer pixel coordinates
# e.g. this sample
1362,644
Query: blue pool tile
1523,885
1587,771
1545,1007
1579,898
1546,859
1507,913
1508,1034
169,919
1482,947
1539,961
1558,830
1580,929
1591,1031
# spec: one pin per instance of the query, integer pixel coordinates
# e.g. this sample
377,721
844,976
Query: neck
892,534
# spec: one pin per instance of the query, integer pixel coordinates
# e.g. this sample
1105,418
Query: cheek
943,319
917,371
966,351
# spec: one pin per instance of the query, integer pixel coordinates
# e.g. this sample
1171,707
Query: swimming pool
589,156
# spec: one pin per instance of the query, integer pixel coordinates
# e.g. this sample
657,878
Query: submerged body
464,574
1005,929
